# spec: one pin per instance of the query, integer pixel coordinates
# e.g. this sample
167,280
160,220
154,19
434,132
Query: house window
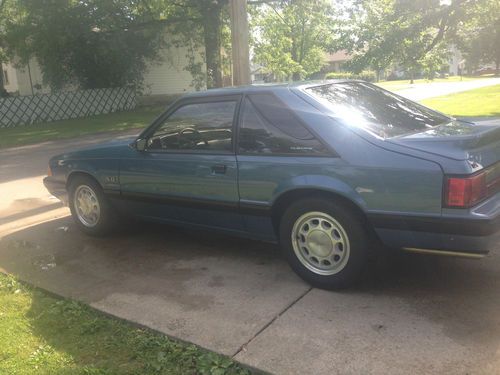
5,77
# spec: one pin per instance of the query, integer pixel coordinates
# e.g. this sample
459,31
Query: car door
188,170
275,150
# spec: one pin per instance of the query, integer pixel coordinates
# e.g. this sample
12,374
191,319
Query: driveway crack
243,347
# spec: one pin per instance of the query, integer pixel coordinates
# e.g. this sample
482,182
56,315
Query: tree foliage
413,33
291,36
202,24
96,43
479,38
89,43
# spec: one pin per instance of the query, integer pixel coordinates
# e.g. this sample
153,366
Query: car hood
111,149
459,140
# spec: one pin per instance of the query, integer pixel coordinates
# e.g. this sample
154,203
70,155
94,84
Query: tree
413,33
95,43
3,18
479,37
211,15
89,43
367,32
201,23
292,36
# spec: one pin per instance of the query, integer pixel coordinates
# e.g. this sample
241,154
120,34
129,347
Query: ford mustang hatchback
329,170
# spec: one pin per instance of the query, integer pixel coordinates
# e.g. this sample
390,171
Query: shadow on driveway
212,290
414,312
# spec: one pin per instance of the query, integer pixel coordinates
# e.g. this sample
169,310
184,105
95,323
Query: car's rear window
385,114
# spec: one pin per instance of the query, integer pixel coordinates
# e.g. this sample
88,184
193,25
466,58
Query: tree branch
443,24
258,2
144,25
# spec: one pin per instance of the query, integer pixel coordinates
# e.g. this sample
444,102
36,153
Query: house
161,79
454,65
258,74
334,61
169,76
456,62
24,80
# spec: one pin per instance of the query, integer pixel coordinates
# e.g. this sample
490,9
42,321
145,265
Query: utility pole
239,42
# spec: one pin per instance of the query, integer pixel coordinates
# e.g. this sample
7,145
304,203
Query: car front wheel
324,242
89,206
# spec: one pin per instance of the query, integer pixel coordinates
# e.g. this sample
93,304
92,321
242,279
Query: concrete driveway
413,315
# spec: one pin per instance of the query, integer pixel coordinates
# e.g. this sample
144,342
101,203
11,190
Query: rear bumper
57,189
459,235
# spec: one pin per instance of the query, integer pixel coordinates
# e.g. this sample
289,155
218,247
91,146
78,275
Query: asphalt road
413,315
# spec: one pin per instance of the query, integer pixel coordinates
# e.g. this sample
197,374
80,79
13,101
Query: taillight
464,192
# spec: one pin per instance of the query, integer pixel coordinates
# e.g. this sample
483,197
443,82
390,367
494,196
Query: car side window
268,127
196,126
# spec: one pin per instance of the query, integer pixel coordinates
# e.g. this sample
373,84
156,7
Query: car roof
300,85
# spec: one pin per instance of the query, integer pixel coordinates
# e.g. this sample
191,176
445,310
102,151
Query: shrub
339,75
366,75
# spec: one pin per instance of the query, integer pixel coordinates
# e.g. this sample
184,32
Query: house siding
19,79
166,77
169,77
25,83
12,86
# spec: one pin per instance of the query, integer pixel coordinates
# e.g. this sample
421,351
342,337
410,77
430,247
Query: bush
366,75
339,75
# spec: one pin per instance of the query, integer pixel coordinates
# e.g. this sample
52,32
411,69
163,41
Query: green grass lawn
41,334
479,102
117,121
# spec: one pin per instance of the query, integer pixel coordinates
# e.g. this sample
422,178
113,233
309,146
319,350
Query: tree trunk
212,25
411,77
497,68
3,92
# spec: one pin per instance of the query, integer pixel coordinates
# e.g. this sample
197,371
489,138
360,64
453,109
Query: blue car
330,170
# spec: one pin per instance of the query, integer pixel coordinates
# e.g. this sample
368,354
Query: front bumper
56,188
446,235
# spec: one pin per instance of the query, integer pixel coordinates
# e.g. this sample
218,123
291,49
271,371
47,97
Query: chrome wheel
320,243
86,206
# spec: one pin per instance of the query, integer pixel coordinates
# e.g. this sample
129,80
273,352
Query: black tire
355,259
106,221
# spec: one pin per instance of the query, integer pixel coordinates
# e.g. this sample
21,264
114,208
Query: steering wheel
192,141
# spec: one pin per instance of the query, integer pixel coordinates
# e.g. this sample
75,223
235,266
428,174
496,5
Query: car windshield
385,114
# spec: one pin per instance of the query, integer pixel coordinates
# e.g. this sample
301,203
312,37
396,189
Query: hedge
366,75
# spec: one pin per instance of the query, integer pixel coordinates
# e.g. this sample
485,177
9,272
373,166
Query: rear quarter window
269,127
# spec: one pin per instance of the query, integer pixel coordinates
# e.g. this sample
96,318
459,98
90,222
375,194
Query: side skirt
458,254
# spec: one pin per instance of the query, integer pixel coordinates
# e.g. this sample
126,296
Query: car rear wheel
324,242
89,207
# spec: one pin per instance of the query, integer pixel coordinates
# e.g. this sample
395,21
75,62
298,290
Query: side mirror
140,144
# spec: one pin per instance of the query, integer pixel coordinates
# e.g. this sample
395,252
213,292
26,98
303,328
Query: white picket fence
26,110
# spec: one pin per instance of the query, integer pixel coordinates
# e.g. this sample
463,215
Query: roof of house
338,56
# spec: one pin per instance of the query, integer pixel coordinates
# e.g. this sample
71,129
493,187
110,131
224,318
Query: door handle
219,169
